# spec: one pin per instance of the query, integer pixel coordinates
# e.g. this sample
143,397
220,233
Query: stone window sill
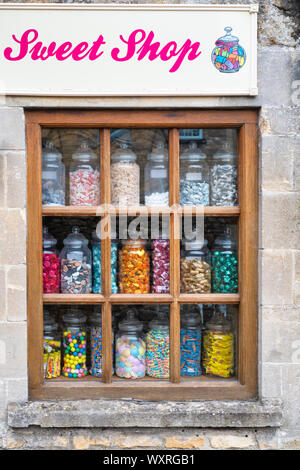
135,413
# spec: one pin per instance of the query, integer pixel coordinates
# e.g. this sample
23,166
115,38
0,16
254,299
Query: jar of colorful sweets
160,263
130,348
96,251
195,273
51,264
124,177
194,177
53,177
76,259
84,177
156,177
134,266
228,56
218,345
190,341
95,343
223,177
224,264
158,346
52,344
74,344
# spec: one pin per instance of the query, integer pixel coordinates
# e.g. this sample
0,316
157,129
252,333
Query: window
176,128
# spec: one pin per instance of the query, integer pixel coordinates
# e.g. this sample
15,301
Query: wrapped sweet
228,56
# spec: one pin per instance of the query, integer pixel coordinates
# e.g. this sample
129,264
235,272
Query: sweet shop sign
128,50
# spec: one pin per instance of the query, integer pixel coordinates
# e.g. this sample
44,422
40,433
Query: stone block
135,441
278,224
17,390
177,442
84,442
271,381
2,179
16,293
290,389
278,156
14,338
283,313
2,294
233,441
3,402
267,439
16,179
280,120
277,277
281,342
12,236
12,125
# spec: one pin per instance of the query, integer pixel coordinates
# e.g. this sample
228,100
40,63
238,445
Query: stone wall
279,257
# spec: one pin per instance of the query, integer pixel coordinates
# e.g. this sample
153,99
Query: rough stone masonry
273,421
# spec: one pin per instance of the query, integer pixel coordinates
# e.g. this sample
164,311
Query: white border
251,8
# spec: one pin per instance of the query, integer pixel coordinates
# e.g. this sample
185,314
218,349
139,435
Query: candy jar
124,177
76,260
84,177
156,177
224,264
158,347
190,342
194,177
130,348
223,177
53,177
51,264
218,345
74,344
228,56
195,273
52,355
134,265
160,265
96,251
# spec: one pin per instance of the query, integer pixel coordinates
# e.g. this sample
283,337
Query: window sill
134,413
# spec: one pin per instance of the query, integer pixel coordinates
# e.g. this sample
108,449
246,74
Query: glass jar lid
50,153
75,239
95,319
159,152
123,154
130,324
160,320
228,36
193,153
84,153
134,243
74,318
195,245
49,323
191,320
225,240
48,240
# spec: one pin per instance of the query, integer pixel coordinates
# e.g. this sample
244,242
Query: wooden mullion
174,167
107,342
34,254
175,342
248,253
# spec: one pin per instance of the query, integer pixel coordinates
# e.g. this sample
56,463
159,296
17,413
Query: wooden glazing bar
209,298
140,298
107,342
175,342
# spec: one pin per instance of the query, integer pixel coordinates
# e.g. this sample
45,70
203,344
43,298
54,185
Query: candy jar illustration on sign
228,56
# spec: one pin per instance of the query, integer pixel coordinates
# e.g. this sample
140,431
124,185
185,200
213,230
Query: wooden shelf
69,299
209,298
80,211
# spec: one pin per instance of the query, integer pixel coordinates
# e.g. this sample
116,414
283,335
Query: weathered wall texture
279,311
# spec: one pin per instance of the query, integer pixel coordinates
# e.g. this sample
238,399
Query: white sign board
128,50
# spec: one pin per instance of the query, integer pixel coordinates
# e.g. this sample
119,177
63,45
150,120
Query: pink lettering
24,42
131,43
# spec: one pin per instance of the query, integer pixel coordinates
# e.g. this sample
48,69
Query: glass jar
52,354
224,264
190,342
195,273
53,177
130,348
74,344
158,347
51,264
134,265
160,261
228,56
223,177
96,251
218,346
124,177
76,260
84,177
194,177
156,177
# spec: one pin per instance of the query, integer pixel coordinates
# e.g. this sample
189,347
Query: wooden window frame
242,387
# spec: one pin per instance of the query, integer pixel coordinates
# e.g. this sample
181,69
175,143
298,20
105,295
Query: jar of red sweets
51,264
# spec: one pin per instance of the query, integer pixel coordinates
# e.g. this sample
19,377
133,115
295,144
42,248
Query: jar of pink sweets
84,177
